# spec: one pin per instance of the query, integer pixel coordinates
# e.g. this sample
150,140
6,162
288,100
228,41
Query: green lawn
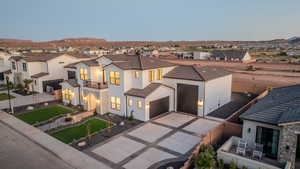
74,133
43,114
4,96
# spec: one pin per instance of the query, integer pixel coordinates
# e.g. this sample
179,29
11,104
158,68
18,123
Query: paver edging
82,122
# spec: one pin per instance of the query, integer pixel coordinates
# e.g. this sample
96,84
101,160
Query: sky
150,20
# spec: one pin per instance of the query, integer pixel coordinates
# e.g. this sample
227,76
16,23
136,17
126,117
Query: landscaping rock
30,108
122,123
81,144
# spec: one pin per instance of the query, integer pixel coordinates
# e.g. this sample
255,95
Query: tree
27,83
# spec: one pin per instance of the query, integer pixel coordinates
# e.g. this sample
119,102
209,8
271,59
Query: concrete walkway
169,137
20,100
66,153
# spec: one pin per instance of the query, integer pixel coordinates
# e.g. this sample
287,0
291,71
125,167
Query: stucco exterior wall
250,137
217,93
173,83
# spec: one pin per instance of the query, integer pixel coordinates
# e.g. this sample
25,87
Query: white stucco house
145,87
45,69
4,66
231,55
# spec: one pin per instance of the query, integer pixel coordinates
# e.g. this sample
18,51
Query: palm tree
27,83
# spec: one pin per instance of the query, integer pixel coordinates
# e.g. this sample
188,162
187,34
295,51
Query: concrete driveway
172,136
20,100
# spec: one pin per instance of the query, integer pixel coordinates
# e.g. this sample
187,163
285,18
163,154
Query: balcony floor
265,160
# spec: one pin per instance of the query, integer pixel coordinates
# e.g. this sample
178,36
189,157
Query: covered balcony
228,152
95,85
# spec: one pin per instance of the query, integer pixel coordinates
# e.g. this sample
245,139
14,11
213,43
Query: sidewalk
20,100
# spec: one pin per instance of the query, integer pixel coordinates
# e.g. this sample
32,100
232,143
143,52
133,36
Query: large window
270,139
67,94
159,74
114,78
83,74
104,76
13,65
115,103
136,74
24,67
130,102
151,75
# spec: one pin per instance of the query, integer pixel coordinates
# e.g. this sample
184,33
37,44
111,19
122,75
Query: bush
232,165
220,164
206,159
20,87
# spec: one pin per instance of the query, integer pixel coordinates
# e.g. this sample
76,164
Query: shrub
206,158
20,87
221,164
232,165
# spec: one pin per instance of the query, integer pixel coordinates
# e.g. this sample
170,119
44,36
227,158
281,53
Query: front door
91,102
269,138
187,97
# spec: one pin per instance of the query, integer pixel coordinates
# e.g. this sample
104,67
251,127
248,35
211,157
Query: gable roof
137,62
91,62
229,54
40,57
38,75
196,73
143,92
281,105
72,82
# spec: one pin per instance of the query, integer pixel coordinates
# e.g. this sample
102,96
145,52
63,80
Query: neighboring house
231,55
201,55
144,87
96,51
4,66
274,121
46,70
150,52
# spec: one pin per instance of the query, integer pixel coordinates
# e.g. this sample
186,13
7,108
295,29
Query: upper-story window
136,74
83,74
159,74
151,75
114,78
24,67
13,64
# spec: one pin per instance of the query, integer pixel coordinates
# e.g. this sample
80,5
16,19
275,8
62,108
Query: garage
187,96
158,107
51,85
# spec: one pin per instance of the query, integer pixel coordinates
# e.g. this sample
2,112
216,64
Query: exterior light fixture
200,103
147,106
249,130
98,101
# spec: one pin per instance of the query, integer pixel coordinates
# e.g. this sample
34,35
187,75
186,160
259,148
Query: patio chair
258,151
241,148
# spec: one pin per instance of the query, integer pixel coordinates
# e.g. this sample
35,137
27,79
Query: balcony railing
94,85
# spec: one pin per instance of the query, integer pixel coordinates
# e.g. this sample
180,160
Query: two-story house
46,70
144,87
4,66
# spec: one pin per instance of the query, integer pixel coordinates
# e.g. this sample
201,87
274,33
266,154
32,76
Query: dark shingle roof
135,62
229,54
92,62
72,82
281,105
38,75
143,92
197,73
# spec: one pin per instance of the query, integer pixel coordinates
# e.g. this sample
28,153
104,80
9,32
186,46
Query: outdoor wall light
249,130
200,103
84,98
98,101
147,106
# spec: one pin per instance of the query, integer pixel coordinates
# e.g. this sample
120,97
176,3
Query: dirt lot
267,74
